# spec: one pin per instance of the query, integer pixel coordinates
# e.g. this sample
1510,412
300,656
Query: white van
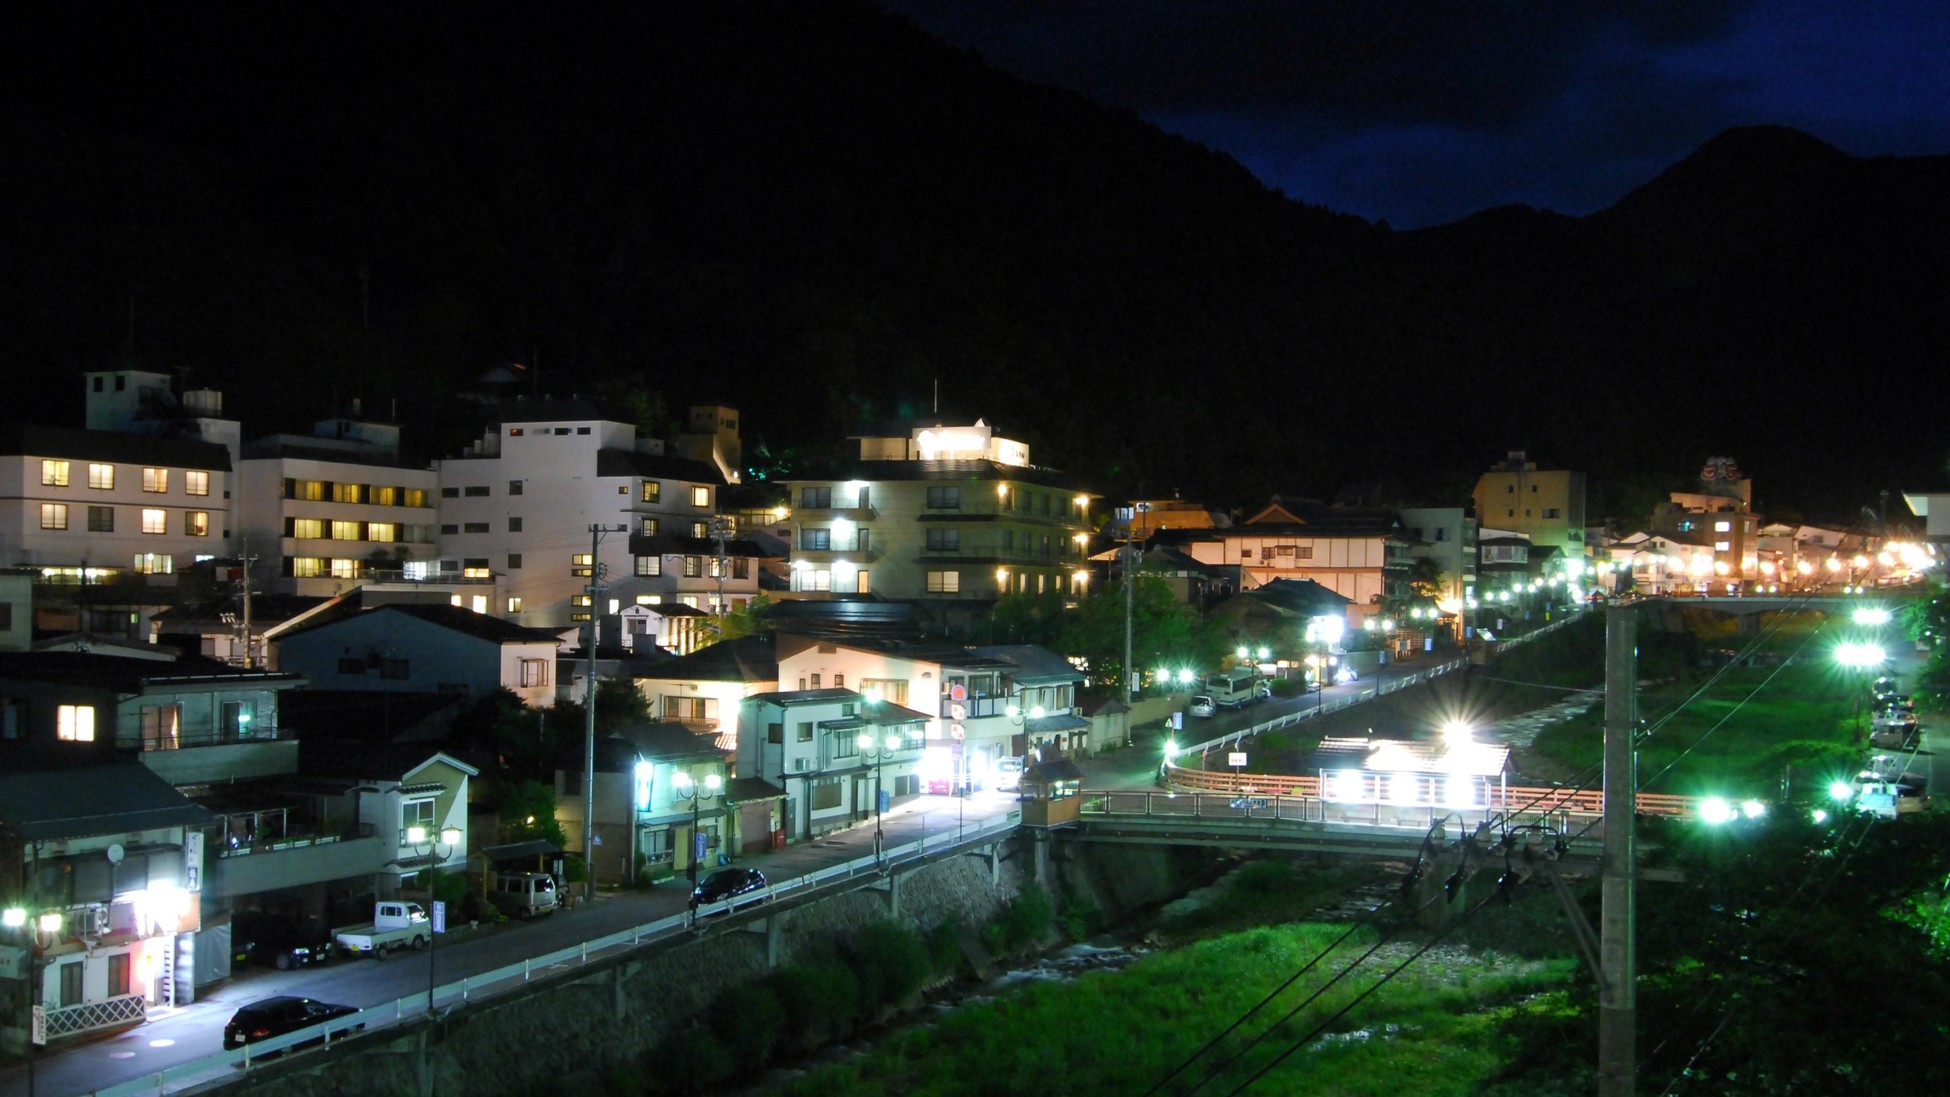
523,894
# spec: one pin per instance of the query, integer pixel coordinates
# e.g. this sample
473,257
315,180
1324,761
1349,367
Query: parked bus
1236,688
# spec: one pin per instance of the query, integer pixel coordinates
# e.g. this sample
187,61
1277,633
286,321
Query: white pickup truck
394,925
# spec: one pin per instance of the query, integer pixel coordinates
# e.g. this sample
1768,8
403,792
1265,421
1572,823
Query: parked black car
270,1017
282,943
729,884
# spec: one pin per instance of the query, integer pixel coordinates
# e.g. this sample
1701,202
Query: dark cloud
1424,113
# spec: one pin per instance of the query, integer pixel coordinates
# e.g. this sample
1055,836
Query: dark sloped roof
1032,663
655,466
92,800
464,621
127,674
753,658
807,696
745,790
29,440
339,714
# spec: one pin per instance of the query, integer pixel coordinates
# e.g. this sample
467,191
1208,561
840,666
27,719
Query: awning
1060,722
421,788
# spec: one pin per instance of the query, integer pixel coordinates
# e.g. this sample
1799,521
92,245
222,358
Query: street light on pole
1860,657
1324,632
877,750
685,787
47,925
451,838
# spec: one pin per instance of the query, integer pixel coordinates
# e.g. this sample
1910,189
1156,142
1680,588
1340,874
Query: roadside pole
1618,964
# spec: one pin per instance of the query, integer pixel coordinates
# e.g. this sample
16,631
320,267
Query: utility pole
1130,599
1617,948
244,577
595,589
721,529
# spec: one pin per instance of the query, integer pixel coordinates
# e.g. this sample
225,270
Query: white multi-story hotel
557,494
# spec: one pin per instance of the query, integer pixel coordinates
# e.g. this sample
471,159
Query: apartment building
559,495
942,515
1546,505
323,512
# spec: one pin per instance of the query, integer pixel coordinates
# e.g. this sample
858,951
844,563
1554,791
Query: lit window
700,530
348,493
693,567
155,520
155,481
308,527
647,527
816,580
474,568
385,496
534,673
414,497
347,569
154,563
345,531
382,531
581,600
1722,546
54,474
76,724
307,567
196,483
652,492
478,603
309,490
1722,527
54,516
196,523
514,605
700,497
944,582
649,566
101,476
581,565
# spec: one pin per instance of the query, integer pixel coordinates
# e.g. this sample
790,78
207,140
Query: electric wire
1315,1033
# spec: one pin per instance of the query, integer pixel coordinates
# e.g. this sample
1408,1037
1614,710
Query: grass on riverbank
1434,1029
1736,732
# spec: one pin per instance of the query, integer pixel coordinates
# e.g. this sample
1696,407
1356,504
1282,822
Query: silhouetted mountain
823,215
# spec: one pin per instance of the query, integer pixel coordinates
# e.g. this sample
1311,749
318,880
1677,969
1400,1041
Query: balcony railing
182,740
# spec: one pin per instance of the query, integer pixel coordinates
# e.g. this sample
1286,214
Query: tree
1164,631
739,621
528,812
1025,618
1425,578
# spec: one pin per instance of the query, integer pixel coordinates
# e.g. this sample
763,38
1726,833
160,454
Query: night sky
1421,114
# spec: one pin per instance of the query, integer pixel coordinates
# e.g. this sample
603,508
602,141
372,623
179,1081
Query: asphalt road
174,1037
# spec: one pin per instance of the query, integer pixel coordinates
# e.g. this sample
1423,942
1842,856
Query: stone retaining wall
588,1029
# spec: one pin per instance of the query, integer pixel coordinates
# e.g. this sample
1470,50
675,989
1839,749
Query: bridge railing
1517,799
1310,712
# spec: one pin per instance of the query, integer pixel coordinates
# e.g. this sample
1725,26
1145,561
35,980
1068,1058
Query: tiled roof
93,800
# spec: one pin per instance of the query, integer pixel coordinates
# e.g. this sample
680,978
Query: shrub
944,950
892,963
822,999
755,1013
1023,922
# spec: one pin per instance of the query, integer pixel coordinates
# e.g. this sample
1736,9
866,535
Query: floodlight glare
1715,810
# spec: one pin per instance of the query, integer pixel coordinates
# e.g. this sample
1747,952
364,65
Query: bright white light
1401,788
1185,676
1820,815
1753,809
1871,615
1459,792
1841,790
1715,810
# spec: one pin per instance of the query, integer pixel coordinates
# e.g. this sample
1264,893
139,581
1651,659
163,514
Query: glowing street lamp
451,838
685,787
877,751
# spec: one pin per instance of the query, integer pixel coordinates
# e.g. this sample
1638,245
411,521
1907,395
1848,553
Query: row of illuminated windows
323,529
949,582
154,520
821,579
334,491
694,567
1019,500
652,491
56,473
